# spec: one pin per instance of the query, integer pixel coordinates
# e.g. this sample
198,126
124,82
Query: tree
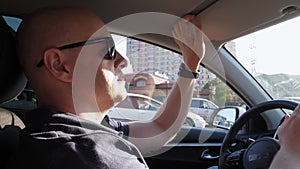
223,94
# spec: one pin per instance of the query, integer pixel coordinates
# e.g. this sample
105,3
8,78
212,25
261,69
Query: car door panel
199,148
176,158
191,151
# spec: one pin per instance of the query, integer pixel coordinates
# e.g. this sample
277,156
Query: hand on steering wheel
261,152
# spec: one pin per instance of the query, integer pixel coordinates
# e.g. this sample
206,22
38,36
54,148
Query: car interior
222,21
13,84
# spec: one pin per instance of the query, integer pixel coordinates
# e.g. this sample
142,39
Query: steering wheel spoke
235,159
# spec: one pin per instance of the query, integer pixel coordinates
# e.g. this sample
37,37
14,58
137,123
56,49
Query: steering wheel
259,153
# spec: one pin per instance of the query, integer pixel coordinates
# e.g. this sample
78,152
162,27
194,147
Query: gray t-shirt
54,139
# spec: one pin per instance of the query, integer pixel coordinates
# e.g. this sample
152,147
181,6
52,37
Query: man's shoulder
96,149
100,148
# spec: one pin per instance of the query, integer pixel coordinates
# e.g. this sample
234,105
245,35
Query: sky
273,50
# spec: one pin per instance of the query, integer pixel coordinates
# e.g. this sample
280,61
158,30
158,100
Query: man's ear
57,64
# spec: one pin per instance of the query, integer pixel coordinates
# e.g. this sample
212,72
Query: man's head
49,42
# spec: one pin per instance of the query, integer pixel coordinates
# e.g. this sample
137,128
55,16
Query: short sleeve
116,125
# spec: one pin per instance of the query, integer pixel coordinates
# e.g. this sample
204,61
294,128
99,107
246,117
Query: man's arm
152,135
289,137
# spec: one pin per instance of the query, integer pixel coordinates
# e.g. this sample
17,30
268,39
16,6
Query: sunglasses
111,50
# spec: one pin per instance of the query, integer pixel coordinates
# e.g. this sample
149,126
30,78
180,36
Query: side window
141,83
204,105
211,105
149,77
152,72
126,104
13,22
152,107
195,104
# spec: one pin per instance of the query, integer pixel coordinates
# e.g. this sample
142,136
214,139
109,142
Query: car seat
12,83
9,118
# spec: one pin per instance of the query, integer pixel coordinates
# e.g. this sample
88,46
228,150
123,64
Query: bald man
69,59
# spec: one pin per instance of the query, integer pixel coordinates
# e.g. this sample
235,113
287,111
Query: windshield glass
272,57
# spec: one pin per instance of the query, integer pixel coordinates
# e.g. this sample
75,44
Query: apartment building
155,60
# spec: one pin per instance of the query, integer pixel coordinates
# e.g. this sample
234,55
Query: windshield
272,57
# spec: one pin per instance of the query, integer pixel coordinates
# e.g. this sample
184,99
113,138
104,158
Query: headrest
12,79
9,118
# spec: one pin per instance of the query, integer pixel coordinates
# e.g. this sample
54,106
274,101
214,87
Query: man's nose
121,61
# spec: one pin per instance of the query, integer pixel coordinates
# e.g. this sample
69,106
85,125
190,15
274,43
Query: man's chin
120,96
118,100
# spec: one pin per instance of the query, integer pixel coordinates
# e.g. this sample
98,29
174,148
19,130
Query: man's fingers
187,34
194,20
288,118
182,31
189,17
297,110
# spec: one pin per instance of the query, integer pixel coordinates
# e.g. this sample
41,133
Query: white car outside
138,107
203,107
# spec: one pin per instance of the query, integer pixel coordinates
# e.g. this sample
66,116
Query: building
154,60
155,86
